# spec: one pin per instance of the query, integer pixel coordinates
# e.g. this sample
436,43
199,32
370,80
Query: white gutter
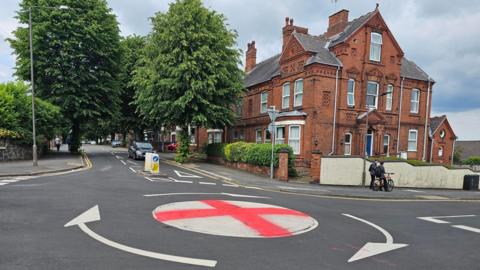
335,112
426,122
400,116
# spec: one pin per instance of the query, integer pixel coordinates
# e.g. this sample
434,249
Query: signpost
273,115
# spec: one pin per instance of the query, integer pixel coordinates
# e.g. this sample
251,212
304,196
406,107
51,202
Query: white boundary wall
348,171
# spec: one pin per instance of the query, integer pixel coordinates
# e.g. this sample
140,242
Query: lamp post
273,115
30,40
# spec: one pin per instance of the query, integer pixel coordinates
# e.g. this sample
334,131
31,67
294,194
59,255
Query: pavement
294,186
51,163
111,216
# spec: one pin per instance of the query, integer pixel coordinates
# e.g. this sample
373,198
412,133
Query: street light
34,147
273,115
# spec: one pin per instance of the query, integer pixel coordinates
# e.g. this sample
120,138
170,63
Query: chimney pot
286,21
291,21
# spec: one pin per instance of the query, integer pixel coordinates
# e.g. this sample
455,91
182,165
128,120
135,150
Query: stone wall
10,150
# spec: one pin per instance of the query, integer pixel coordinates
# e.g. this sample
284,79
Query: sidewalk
50,163
247,179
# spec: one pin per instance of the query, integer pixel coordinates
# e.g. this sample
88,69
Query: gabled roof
263,71
351,27
410,70
435,122
311,43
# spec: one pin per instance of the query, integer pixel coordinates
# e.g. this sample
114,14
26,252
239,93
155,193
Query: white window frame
351,93
415,104
388,144
286,96
389,98
410,140
280,140
290,139
263,103
258,139
298,95
440,151
349,153
376,44
376,95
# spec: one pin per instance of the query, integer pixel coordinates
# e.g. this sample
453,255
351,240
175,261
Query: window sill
413,151
373,62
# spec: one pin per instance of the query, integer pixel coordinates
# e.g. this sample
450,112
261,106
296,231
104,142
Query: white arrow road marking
467,228
93,214
179,181
199,193
186,175
157,179
439,221
372,249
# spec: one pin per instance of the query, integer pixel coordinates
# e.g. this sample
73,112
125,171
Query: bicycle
378,184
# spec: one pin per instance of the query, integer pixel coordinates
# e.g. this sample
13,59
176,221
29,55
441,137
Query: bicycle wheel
391,185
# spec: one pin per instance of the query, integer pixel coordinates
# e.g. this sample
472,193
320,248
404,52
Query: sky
441,36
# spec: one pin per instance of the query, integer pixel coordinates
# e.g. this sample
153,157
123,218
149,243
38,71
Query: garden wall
10,150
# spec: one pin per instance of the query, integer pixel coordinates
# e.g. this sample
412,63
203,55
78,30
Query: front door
369,146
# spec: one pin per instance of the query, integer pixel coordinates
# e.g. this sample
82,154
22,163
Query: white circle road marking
235,218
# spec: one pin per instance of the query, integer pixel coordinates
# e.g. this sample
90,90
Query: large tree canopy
189,73
76,57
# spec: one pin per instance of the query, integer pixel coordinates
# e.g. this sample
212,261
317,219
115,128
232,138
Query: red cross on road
251,217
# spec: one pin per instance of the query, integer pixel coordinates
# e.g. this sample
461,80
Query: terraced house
323,87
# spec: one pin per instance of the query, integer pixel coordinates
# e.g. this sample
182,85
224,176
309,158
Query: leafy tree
132,47
189,73
16,114
76,58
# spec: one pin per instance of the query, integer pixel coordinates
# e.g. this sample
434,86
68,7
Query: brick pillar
315,166
282,171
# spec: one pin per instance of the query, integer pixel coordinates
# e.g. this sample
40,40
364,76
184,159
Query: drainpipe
431,150
453,151
400,116
426,122
335,112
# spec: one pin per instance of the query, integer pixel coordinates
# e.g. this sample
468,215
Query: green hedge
474,160
252,153
216,150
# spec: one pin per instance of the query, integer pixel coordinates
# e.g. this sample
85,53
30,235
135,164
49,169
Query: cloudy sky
441,36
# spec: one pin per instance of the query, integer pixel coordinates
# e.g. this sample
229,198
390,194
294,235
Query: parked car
172,147
116,143
137,150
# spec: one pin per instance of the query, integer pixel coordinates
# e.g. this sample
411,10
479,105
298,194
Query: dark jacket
372,168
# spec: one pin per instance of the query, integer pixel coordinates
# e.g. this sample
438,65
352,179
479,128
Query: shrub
238,151
227,150
8,134
216,150
474,160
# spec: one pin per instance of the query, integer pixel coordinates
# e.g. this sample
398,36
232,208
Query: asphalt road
33,214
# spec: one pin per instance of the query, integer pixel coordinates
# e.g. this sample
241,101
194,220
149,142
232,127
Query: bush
474,160
8,134
238,151
216,150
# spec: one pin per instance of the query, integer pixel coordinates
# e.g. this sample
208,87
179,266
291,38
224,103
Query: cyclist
380,173
372,169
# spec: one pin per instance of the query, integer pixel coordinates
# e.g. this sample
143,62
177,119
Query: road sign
235,218
155,166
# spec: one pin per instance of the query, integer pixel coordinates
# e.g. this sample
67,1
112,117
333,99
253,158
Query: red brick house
322,86
441,141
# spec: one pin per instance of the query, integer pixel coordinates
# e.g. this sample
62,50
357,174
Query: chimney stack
337,23
251,56
289,28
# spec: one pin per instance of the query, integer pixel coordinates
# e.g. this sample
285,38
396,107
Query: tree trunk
75,140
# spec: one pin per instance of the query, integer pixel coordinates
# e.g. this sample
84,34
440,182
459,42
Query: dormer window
375,46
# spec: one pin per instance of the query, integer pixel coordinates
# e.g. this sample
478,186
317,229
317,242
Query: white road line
388,236
207,183
415,191
118,157
467,228
199,193
9,181
439,221
230,185
180,181
133,170
253,188
295,188
123,162
131,162
1,184
186,175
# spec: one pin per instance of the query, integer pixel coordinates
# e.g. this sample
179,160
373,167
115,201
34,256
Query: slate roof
410,70
435,122
317,44
468,148
351,27
263,71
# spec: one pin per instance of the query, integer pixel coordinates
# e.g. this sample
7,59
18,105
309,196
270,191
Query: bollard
155,164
